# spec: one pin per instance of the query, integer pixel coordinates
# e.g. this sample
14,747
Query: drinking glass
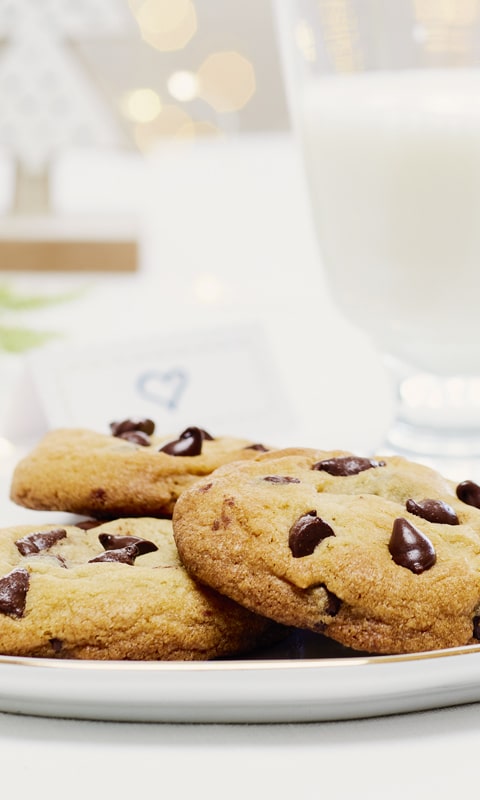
385,103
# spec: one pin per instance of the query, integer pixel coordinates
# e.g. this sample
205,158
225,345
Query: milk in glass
393,167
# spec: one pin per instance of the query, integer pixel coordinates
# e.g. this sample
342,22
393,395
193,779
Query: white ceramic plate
278,688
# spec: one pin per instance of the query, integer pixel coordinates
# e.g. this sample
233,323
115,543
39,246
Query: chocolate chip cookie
130,471
113,591
381,554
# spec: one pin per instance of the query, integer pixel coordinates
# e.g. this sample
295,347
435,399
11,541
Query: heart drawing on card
163,388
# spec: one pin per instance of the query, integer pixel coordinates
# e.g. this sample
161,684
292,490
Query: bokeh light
141,105
161,16
166,24
207,288
226,81
183,85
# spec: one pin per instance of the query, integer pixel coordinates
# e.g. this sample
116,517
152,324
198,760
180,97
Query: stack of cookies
111,586
199,547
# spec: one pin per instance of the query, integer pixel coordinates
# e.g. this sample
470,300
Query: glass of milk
385,101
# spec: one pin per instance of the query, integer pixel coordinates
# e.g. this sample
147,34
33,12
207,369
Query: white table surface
237,212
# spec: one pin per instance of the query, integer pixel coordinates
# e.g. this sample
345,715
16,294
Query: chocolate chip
333,603
476,627
88,524
56,644
306,533
332,607
133,424
123,555
260,447
347,465
281,479
433,511
410,548
469,492
13,592
111,542
188,432
41,540
185,445
135,437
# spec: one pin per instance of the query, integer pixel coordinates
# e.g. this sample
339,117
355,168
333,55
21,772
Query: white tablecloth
235,213
426,755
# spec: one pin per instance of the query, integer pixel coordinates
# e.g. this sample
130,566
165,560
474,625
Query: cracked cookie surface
113,591
382,555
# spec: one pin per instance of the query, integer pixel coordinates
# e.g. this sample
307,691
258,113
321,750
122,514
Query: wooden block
68,243
68,256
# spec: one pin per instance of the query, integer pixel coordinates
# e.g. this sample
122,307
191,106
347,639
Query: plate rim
233,692
229,665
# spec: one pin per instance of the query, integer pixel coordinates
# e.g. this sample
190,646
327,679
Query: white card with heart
223,380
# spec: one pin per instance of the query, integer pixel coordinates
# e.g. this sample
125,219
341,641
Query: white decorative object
222,379
49,101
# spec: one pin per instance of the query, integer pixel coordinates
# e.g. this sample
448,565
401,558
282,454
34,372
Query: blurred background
132,75
163,126
137,72
166,121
